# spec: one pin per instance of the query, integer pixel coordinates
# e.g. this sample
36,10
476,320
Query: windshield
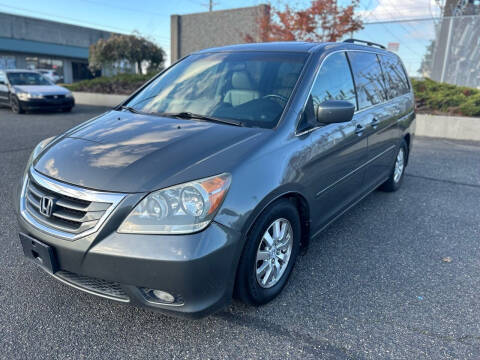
27,78
252,88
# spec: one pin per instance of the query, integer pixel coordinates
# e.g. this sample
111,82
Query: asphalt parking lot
372,285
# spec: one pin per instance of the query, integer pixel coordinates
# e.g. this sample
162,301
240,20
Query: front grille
64,210
100,287
54,97
68,214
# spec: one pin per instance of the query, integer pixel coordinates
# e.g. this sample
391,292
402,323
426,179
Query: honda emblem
46,206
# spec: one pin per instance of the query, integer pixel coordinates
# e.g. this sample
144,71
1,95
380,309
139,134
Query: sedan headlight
23,96
69,95
180,209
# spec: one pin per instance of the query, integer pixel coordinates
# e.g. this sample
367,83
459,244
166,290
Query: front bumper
198,269
47,103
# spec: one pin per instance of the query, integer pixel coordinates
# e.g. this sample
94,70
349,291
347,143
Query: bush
123,84
434,97
471,107
430,96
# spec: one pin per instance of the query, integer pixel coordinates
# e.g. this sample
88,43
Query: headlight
180,209
23,96
69,95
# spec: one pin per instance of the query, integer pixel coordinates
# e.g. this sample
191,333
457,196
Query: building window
36,63
7,62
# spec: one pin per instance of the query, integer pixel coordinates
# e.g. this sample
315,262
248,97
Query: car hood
42,89
125,152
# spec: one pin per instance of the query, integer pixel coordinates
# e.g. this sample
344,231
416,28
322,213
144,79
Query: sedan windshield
27,78
249,88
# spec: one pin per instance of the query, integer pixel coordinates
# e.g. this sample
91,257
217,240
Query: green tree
132,48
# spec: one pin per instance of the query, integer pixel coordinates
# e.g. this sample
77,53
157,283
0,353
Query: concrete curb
436,126
448,127
85,98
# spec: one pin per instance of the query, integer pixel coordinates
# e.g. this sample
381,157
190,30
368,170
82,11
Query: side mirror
2,82
335,111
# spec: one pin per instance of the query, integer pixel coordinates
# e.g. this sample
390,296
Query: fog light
163,296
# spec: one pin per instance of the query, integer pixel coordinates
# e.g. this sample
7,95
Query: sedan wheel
15,105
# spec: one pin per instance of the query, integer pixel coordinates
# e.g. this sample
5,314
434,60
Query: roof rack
369,43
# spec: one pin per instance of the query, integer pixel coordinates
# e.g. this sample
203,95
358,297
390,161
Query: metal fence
445,49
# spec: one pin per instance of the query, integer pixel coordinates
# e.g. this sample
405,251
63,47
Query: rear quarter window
395,78
368,77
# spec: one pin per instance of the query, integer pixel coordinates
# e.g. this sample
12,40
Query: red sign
393,46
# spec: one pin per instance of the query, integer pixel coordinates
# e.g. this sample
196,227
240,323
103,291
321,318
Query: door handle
359,129
374,123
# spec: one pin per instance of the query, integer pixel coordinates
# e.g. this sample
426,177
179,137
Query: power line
384,5
408,30
64,17
159,38
393,21
126,8
395,36
129,10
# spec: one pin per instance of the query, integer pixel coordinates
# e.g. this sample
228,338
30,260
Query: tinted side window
395,78
334,81
368,78
2,77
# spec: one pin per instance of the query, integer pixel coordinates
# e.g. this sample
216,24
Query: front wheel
15,105
269,254
398,171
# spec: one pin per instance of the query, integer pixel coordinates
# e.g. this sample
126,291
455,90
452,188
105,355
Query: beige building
193,32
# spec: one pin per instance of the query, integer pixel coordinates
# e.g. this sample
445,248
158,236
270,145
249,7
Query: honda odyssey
207,181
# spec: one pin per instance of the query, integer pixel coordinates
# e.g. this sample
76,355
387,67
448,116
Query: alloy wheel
399,166
273,253
14,104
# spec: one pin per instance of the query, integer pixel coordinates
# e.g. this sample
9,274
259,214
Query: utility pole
443,41
210,5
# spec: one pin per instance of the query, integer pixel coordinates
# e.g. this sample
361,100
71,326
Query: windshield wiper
189,115
129,108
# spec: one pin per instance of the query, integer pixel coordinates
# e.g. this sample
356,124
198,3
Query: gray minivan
208,180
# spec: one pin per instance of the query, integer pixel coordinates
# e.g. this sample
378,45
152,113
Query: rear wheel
269,254
398,171
68,109
15,105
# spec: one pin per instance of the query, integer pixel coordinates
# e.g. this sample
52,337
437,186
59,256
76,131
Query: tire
68,109
15,105
396,178
251,288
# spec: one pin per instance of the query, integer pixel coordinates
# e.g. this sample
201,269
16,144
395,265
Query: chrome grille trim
78,212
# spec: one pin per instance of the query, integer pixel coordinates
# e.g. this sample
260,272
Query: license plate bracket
40,253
